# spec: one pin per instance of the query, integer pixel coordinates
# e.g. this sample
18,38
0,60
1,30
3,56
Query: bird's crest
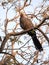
22,14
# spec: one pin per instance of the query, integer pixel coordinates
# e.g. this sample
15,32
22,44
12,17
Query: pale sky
11,14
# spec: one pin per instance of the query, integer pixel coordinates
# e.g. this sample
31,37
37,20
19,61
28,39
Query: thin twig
20,33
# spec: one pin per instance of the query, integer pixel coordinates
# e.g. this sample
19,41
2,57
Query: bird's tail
37,44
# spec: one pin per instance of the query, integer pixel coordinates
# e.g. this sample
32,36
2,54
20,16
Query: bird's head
22,14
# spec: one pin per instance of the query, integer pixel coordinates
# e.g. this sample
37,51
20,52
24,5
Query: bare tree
16,46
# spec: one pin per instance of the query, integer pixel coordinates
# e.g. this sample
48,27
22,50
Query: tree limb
20,33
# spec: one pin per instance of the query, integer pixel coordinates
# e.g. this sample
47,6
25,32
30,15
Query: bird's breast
26,23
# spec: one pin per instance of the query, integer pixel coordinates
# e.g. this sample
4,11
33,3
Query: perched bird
25,24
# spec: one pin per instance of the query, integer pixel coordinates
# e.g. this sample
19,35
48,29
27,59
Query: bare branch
20,33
